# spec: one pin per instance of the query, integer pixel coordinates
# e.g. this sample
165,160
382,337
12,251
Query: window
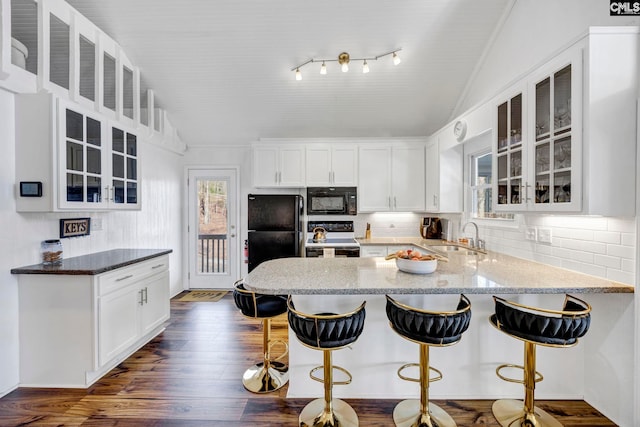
481,193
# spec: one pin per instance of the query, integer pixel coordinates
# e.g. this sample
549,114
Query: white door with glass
213,233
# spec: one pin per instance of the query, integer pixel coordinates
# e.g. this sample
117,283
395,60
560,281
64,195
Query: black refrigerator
275,228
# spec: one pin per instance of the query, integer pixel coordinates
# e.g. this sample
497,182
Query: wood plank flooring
190,375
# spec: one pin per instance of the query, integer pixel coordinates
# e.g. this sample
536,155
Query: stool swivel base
268,375
408,413
328,412
512,413
421,413
340,415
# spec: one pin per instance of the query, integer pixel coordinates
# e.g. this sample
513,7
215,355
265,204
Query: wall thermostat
30,189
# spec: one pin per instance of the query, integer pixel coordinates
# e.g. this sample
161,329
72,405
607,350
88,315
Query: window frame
476,147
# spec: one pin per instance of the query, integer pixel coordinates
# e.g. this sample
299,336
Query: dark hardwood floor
190,375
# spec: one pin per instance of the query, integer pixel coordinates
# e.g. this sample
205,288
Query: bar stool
327,332
270,374
535,326
427,328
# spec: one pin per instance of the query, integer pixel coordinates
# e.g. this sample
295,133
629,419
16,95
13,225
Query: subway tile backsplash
599,246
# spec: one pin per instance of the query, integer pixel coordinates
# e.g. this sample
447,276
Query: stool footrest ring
286,349
538,378
338,368
417,380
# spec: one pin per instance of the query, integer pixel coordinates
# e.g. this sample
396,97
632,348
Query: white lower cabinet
368,251
383,250
75,328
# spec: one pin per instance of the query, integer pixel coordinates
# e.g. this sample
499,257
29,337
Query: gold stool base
510,413
313,415
407,414
258,379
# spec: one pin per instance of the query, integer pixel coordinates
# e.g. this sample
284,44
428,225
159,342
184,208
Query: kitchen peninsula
83,316
587,371
484,273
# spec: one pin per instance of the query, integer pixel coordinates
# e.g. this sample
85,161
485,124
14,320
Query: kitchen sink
461,250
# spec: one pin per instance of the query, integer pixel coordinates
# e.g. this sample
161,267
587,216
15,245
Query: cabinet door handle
157,266
526,192
140,301
146,294
124,278
395,202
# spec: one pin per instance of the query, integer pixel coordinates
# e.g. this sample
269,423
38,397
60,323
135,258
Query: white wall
9,254
157,225
534,30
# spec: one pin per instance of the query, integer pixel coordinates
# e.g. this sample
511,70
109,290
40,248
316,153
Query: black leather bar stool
270,374
327,332
427,328
535,326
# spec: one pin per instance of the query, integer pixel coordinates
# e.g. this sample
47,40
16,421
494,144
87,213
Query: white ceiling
222,69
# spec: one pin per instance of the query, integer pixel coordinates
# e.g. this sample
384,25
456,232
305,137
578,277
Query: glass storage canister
51,252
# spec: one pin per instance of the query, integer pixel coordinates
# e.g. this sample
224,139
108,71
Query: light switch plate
531,233
544,235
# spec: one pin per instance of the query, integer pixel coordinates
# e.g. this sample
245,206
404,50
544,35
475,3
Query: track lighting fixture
344,59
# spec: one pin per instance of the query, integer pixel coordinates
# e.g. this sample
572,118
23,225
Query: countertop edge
435,291
61,270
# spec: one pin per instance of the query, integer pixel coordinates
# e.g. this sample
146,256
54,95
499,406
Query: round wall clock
460,129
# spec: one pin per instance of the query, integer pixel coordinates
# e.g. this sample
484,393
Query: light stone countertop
490,273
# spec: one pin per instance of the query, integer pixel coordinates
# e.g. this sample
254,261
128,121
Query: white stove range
339,240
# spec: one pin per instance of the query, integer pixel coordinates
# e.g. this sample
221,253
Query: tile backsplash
598,246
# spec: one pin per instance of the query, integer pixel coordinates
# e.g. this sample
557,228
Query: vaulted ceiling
223,69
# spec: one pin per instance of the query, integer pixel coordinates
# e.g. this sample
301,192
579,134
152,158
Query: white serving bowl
417,267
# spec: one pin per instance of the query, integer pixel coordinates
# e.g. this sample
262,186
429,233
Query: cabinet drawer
372,251
114,280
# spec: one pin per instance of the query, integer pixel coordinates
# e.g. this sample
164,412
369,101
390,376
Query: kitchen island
596,370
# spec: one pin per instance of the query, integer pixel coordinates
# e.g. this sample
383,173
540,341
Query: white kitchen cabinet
576,149
279,166
133,309
444,174
537,151
79,157
331,165
368,251
432,178
75,328
391,178
384,250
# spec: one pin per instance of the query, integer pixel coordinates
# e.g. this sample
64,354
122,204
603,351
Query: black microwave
332,201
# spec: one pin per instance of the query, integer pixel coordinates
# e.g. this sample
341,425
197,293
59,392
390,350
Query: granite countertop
96,263
490,273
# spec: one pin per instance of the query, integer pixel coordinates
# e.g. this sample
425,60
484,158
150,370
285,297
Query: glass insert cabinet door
510,154
83,160
553,138
124,168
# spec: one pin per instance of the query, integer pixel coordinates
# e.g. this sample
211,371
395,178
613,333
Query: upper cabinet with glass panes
55,49
535,140
83,161
577,149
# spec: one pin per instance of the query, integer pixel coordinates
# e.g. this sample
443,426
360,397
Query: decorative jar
51,252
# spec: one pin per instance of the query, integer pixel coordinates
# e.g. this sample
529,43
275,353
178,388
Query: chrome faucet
475,243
